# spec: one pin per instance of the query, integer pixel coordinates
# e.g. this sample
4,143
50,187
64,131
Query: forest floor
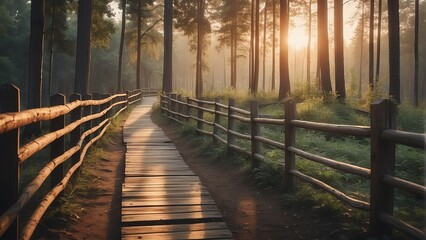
250,212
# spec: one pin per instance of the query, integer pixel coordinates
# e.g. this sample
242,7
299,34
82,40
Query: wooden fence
381,132
87,117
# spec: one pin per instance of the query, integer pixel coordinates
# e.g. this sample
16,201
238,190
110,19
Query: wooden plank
163,194
171,216
159,173
207,234
131,202
173,228
166,209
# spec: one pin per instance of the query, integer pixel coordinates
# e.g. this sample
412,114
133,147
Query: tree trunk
274,5
308,48
256,49
120,54
323,46
52,36
379,34
234,46
168,46
82,65
394,50
338,50
138,47
371,47
416,54
362,52
35,62
199,67
251,54
264,46
284,75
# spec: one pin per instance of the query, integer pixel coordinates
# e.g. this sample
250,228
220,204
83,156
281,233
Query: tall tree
139,45
308,48
251,54
274,25
323,47
361,51
256,48
284,75
394,50
371,47
82,64
168,45
200,37
416,54
379,37
35,62
265,14
120,54
338,50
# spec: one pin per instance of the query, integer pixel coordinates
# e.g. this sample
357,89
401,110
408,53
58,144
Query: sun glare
297,38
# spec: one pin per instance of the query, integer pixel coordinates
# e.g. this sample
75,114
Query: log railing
383,139
89,118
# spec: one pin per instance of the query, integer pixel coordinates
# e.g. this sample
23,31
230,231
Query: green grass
353,150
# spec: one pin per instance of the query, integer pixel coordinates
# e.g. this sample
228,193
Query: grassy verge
353,150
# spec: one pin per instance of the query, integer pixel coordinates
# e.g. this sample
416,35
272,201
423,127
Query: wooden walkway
161,197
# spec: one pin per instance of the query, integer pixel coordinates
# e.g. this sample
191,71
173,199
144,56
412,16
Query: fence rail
381,132
91,114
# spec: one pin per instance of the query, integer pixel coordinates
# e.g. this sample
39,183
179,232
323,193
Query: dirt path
251,213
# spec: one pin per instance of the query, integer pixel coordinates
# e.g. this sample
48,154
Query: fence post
87,111
216,119
169,104
106,105
230,137
96,109
290,114
76,133
127,98
255,131
179,98
382,163
200,115
188,109
173,104
9,148
57,148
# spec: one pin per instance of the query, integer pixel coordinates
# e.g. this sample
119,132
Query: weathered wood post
87,111
169,104
382,163
290,114
188,108
173,104
216,119
255,131
9,148
76,133
179,108
96,108
106,105
57,148
200,115
127,98
230,137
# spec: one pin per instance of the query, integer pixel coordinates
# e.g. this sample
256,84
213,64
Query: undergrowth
348,149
